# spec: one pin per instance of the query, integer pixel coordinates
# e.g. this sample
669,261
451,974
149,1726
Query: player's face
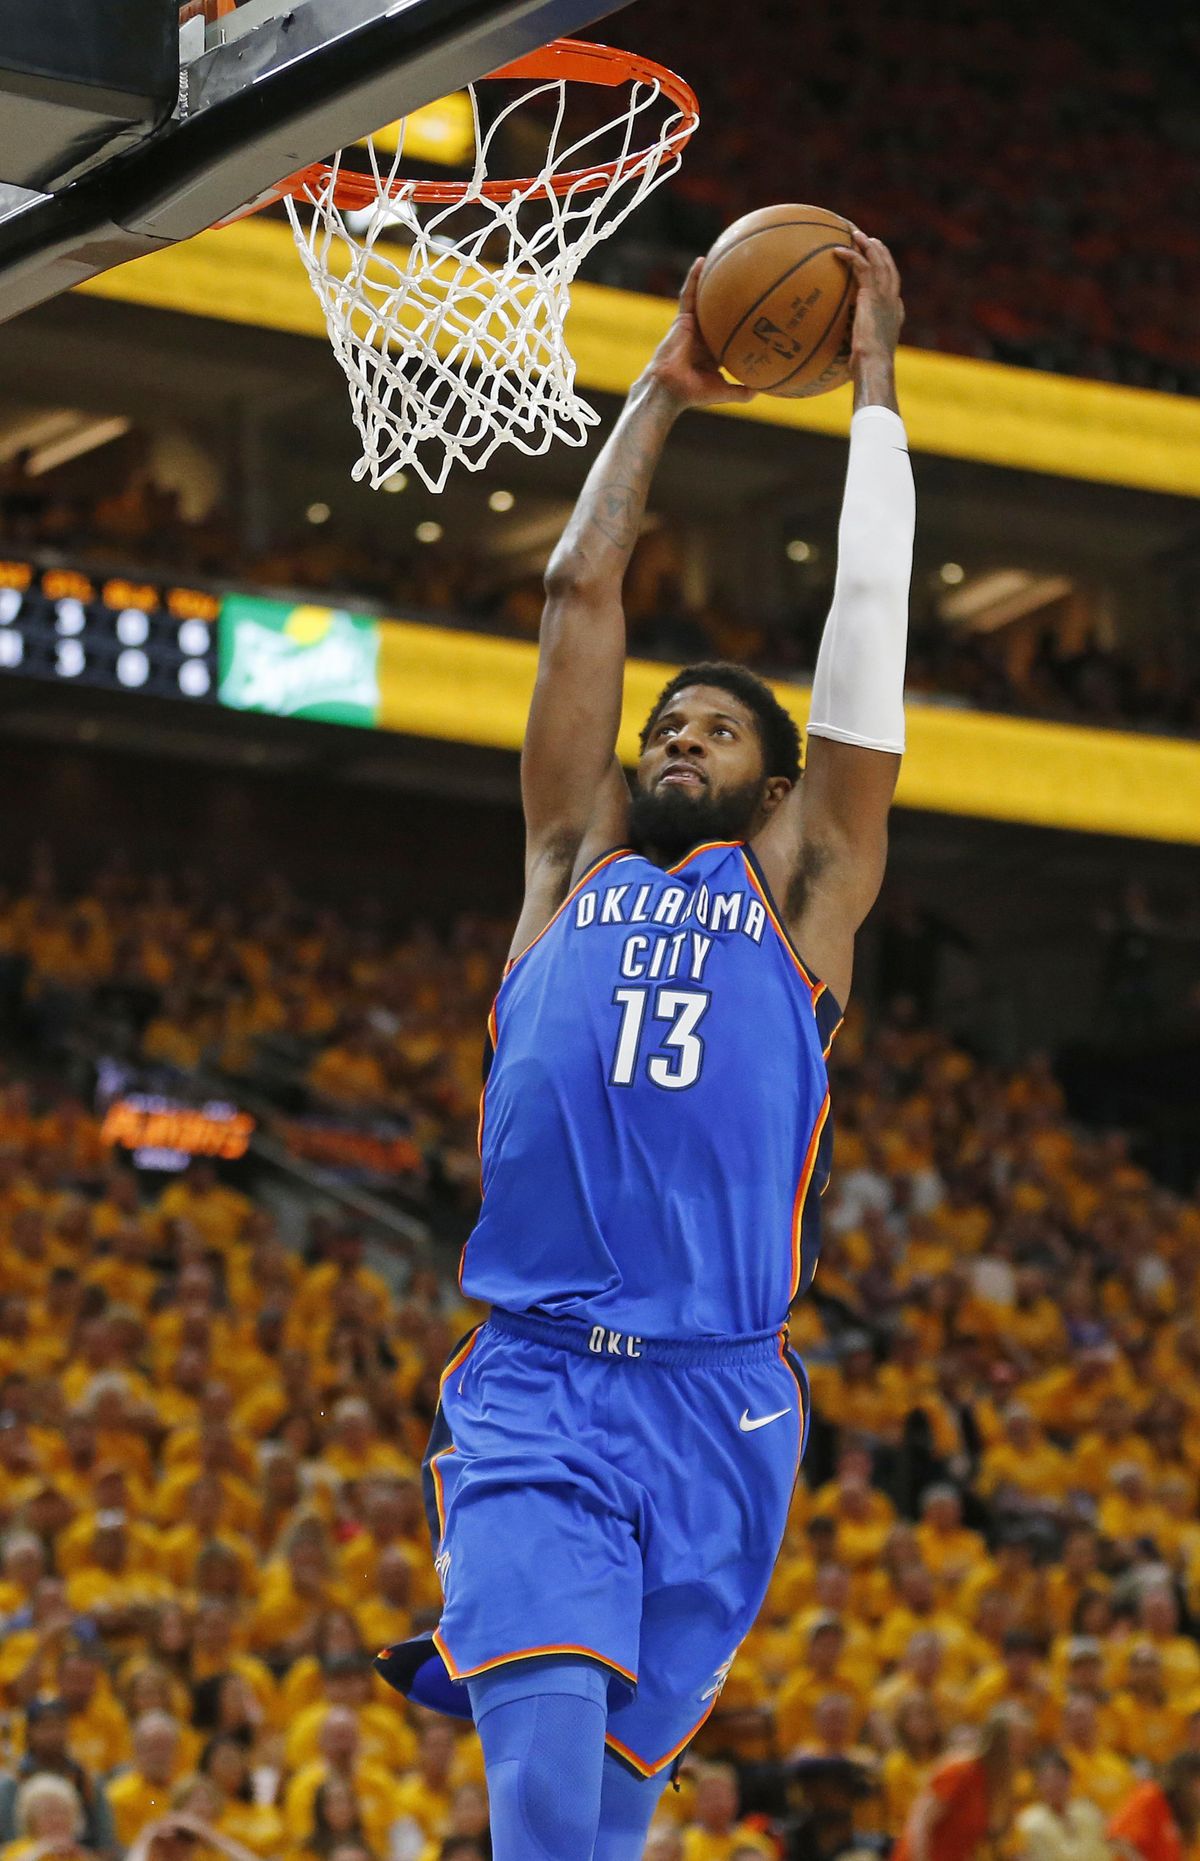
701,776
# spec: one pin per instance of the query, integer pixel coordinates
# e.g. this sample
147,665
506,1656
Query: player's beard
670,820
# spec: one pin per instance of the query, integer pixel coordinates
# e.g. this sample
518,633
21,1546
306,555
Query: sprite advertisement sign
299,661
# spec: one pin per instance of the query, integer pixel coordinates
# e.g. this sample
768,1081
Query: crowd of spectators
1037,671
1026,163
327,1015
1041,668
210,1512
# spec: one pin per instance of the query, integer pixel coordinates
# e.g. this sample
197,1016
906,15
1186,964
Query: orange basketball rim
573,60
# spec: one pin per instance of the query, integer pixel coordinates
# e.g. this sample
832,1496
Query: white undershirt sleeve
858,685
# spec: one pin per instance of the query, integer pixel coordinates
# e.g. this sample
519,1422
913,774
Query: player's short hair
777,730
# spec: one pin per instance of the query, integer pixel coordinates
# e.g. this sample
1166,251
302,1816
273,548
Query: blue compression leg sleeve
541,1724
627,1806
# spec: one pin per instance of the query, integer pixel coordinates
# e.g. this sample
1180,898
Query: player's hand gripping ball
775,299
683,364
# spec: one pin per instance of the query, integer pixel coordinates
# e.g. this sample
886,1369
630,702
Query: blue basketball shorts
617,1498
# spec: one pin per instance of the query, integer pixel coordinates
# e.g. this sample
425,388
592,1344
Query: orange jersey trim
784,1353
460,1357
525,1654
816,989
836,1031
492,1031
640,1765
708,846
802,1188
439,1496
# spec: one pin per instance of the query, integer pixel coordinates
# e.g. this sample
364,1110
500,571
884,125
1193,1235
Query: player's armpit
555,861
823,853
842,801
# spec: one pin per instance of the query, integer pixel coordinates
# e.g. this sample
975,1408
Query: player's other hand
684,365
878,308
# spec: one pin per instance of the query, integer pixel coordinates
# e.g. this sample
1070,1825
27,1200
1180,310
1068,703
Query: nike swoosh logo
760,1421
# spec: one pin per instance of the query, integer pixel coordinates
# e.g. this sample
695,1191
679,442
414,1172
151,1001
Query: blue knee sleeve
627,1806
541,1724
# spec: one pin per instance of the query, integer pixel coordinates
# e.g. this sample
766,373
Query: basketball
775,304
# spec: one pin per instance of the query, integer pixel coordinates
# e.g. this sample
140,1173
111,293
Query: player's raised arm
574,794
826,847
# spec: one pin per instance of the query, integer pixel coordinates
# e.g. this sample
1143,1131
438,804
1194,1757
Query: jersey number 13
678,1053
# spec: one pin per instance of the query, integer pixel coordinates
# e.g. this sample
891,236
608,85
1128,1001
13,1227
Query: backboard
264,91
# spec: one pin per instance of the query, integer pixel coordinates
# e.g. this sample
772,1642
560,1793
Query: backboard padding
77,87
294,88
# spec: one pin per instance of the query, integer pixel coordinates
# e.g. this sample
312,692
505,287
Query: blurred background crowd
1028,162
214,1399
1064,660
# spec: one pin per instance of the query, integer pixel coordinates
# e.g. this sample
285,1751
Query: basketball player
613,1459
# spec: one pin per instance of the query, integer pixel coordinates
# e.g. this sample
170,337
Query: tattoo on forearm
614,498
616,518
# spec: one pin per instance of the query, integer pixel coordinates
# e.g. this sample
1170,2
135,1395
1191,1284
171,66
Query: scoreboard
118,633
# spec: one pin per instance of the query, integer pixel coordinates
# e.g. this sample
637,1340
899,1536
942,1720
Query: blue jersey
655,1128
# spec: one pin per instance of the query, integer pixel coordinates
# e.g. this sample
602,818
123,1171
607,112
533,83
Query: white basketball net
453,344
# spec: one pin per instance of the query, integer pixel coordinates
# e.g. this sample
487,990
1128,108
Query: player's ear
778,789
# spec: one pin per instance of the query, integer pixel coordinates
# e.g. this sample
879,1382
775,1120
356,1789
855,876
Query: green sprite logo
317,662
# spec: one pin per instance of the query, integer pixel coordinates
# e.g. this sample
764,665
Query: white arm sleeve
858,686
